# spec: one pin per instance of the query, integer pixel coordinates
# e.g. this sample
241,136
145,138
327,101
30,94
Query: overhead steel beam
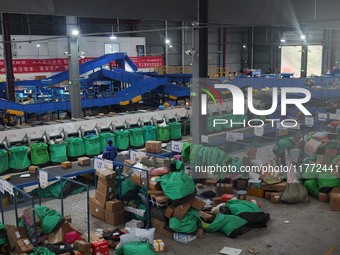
6,37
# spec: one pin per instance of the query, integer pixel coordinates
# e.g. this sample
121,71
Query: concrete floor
313,230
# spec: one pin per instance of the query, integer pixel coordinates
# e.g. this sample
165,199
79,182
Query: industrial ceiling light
283,40
75,32
167,41
170,46
38,45
244,46
303,37
113,37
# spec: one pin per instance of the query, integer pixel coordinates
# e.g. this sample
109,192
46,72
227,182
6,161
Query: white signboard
43,179
337,111
136,154
234,136
205,139
259,131
176,146
108,164
322,116
98,163
309,121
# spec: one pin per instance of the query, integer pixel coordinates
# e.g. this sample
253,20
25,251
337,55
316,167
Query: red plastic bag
100,247
71,237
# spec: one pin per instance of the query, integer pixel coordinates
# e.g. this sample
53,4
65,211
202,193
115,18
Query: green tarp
136,248
104,137
3,240
177,185
122,139
39,153
239,206
54,189
136,137
283,145
42,251
75,147
328,180
150,133
189,224
58,152
163,133
4,164
92,145
175,130
225,223
18,158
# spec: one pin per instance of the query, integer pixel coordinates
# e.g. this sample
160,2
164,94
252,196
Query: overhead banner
54,65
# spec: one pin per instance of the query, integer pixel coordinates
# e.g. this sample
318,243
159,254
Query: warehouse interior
169,127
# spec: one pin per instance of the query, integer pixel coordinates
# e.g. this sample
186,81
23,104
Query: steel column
73,66
200,71
6,37
304,56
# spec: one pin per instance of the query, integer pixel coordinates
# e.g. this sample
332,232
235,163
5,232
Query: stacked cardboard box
114,212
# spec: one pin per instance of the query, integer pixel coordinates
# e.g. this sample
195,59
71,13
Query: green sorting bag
177,185
150,133
58,152
50,219
136,248
136,137
92,145
39,153
42,251
240,206
175,130
312,187
328,180
104,137
3,235
163,133
122,139
189,224
75,147
227,224
4,164
18,158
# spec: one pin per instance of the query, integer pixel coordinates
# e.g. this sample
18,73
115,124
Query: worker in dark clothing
110,152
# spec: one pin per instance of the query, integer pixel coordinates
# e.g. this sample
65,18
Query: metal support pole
304,56
221,48
6,37
73,64
200,71
166,44
252,47
183,47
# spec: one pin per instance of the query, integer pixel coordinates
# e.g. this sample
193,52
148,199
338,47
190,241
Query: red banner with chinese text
54,65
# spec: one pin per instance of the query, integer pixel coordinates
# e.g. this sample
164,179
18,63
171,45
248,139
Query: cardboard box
127,163
102,198
217,201
275,198
97,212
23,246
335,201
106,174
169,212
153,185
311,147
196,203
211,182
181,211
158,245
160,228
33,169
323,197
267,195
108,191
335,190
114,205
66,164
82,246
283,132
97,203
137,179
56,236
153,146
227,188
161,199
253,192
329,155
241,184
114,218
280,187
105,182
14,234
84,161
206,217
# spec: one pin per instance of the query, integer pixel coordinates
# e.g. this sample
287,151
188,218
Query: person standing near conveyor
110,152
